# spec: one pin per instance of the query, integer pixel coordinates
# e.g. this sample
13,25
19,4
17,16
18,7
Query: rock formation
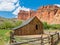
49,14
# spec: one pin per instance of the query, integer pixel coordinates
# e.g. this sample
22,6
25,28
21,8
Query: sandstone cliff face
49,14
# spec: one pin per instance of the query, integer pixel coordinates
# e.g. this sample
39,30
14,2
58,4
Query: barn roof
24,23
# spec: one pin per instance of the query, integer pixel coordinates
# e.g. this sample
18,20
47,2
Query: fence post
11,37
49,37
58,36
42,39
52,43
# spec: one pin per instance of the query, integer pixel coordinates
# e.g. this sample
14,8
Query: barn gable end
31,26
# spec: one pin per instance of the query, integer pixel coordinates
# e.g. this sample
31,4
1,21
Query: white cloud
17,4
23,8
7,5
57,5
10,5
11,1
20,8
16,11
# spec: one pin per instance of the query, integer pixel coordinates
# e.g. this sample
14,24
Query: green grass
4,36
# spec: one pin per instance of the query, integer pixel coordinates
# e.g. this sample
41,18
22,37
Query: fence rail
51,40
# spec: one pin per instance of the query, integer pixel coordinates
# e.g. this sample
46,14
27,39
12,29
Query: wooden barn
32,26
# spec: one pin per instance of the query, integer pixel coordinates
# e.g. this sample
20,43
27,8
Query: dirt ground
46,33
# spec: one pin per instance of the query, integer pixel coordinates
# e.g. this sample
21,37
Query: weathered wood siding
30,29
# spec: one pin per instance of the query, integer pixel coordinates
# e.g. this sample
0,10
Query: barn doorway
36,27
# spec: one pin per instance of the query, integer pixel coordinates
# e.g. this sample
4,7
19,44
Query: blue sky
34,4
10,8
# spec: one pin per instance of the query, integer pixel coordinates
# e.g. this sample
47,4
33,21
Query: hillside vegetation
51,26
9,23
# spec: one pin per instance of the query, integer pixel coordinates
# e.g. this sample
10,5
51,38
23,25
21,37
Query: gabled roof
25,23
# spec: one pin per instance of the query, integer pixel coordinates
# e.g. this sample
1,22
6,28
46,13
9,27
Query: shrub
51,26
55,26
46,26
17,23
9,24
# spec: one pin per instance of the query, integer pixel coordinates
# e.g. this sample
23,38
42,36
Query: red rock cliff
49,14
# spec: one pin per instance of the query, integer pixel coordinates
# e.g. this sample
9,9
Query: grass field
4,36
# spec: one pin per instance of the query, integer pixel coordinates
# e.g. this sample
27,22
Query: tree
10,24
46,26
17,23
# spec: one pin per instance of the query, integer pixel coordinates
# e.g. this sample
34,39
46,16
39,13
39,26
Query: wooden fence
51,40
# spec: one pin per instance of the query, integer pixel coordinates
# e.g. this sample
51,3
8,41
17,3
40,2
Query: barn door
37,28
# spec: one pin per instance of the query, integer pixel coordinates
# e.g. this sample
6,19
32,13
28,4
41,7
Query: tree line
51,26
11,24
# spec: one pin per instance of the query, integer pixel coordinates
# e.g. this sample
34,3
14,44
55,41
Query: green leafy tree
55,26
10,24
46,26
17,23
